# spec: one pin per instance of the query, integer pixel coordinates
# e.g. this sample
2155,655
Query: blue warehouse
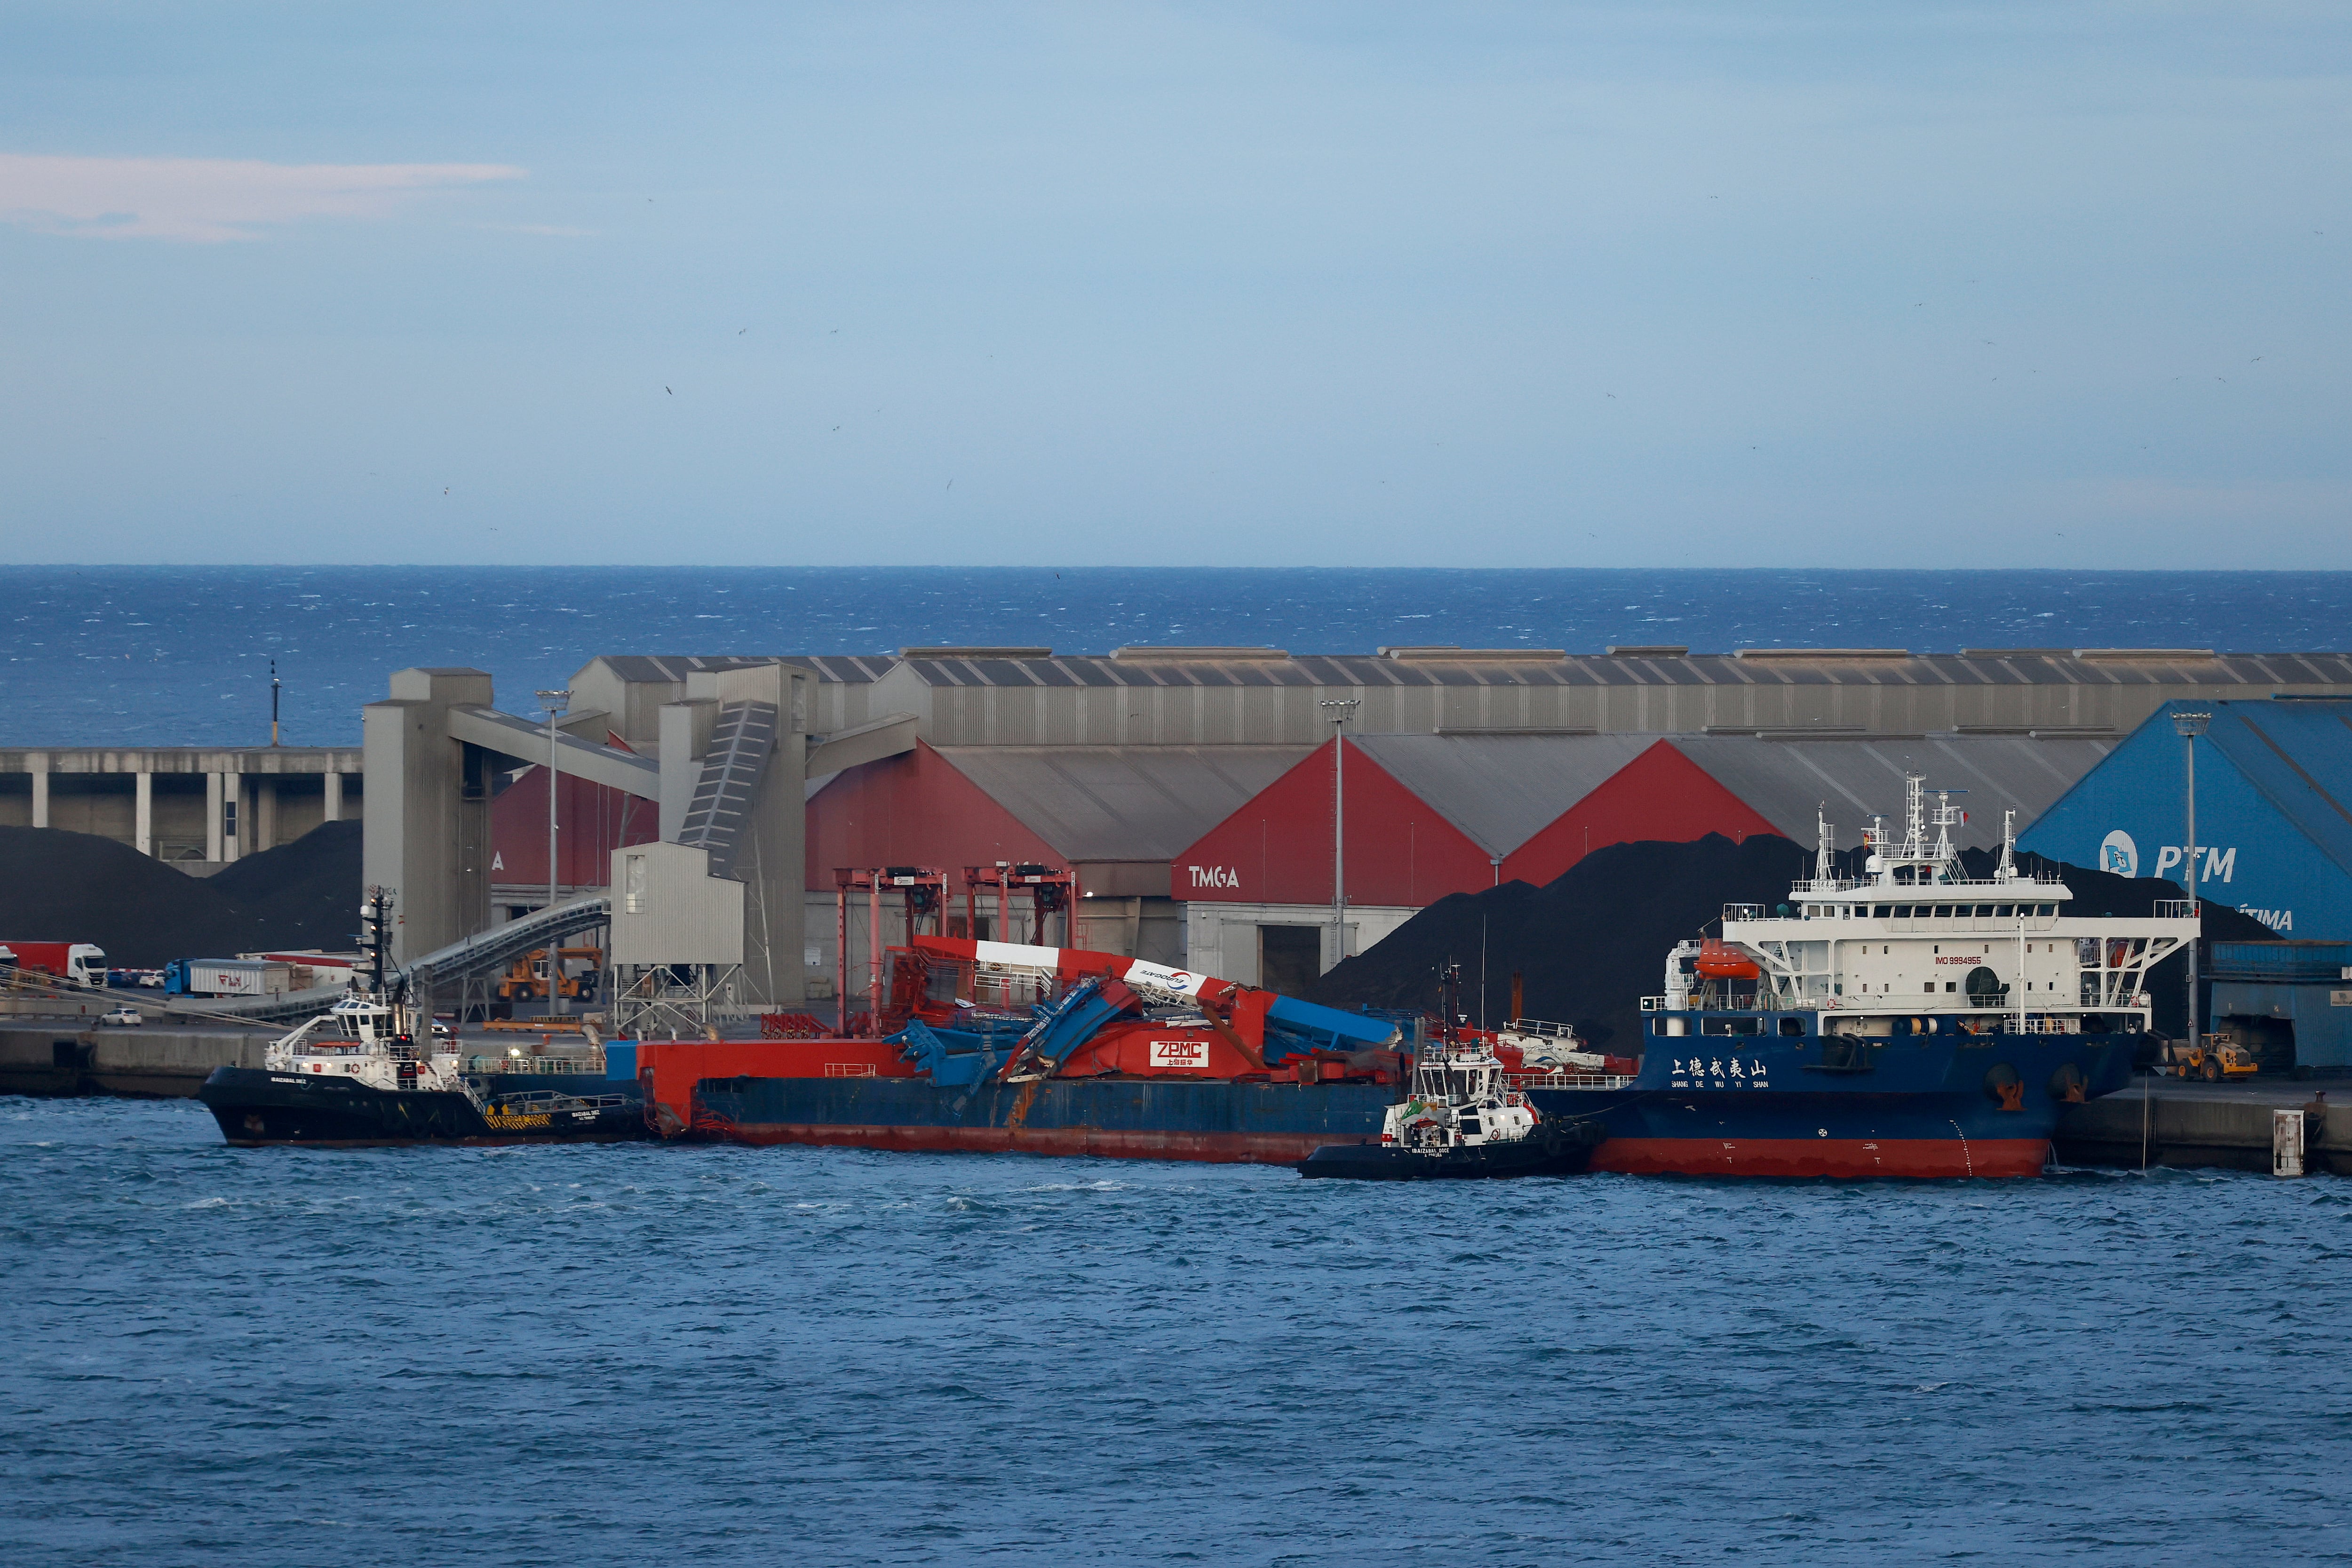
2274,839
2274,811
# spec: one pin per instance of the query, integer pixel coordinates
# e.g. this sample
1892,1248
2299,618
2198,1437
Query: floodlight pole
1338,710
2189,725
555,703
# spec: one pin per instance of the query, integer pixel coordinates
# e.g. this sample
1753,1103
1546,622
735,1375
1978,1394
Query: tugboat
370,1071
1915,1021
1461,1120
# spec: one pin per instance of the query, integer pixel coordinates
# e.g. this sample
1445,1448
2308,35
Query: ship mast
375,936
1946,817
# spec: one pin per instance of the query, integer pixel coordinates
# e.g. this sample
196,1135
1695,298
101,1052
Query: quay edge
68,1056
2198,1126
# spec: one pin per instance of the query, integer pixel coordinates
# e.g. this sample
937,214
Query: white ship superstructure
1915,935
372,1042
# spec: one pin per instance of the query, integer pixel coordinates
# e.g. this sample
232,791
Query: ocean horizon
182,655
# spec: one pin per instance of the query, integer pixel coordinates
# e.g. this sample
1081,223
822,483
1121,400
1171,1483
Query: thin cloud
209,200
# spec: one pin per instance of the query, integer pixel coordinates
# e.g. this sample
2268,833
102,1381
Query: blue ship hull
1148,1119
1942,1104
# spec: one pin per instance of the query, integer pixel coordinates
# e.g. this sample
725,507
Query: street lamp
555,703
2189,725
1338,710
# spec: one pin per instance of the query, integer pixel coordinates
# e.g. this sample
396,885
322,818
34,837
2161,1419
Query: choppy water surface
629,1355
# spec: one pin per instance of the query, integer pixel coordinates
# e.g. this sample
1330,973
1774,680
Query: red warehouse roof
1431,815
1277,849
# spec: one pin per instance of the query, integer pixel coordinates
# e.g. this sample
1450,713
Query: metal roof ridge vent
1136,653
1841,733
1459,732
1823,653
975,653
1649,650
2151,655
1446,653
2030,728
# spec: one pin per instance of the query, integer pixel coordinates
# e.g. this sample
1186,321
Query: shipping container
227,977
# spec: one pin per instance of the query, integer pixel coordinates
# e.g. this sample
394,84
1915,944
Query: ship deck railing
530,1101
535,1065
1544,1027
1570,1081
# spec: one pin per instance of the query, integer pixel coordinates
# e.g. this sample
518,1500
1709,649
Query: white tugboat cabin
374,1042
1460,1100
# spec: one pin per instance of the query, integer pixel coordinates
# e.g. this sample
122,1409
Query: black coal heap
57,886
1590,944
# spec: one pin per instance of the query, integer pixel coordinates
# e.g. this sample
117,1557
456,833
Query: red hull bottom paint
1221,1147
1823,1156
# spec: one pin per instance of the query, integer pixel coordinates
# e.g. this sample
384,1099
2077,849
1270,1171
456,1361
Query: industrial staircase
740,742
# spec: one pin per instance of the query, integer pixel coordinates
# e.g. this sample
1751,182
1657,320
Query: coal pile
1592,943
57,886
306,893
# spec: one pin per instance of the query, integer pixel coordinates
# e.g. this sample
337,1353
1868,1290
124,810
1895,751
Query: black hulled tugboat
370,1071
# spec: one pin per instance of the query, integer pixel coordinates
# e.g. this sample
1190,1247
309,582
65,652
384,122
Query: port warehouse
2273,839
1189,789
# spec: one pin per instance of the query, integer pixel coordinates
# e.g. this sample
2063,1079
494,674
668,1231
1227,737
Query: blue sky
2045,285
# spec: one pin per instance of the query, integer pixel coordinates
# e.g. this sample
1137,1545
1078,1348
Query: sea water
181,655
634,1353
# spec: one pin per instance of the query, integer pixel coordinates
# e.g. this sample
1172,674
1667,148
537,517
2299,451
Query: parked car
126,1015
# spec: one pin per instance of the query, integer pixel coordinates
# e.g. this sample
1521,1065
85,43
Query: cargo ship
1909,1022
1006,1048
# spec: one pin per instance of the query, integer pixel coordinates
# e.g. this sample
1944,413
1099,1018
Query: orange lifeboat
1718,959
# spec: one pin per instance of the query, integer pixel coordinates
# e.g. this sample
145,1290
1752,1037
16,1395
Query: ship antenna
1915,808
1821,841
2007,871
